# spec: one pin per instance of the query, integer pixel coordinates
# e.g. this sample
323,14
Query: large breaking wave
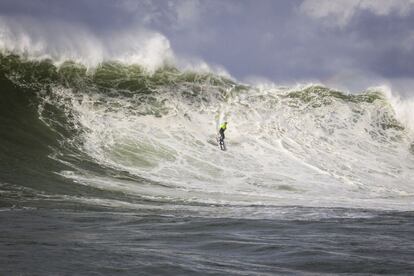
119,135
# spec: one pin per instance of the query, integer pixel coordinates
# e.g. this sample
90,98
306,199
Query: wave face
119,136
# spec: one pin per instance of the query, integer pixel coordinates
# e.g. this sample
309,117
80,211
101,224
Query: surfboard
217,142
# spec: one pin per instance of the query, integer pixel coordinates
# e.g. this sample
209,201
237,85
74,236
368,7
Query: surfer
223,128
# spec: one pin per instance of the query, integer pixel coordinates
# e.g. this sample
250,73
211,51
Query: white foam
281,151
404,108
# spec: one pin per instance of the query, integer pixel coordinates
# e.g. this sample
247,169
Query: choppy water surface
90,243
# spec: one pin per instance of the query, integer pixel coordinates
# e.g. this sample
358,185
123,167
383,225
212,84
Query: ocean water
61,242
114,170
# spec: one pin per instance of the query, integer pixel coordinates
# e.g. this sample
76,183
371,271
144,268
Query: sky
351,44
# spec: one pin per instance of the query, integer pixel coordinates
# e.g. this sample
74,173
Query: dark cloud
387,44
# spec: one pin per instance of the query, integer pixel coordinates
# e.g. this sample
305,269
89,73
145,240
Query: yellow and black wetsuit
223,128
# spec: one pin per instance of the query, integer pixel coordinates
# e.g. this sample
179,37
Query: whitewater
307,146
